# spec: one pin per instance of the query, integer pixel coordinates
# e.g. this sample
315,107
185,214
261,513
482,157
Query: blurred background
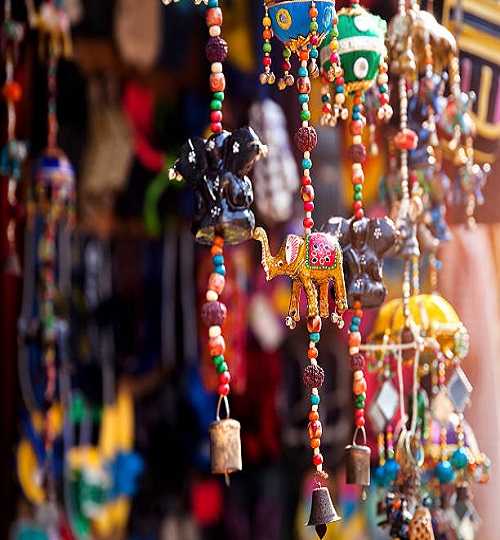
134,90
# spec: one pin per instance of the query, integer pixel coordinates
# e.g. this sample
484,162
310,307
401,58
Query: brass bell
225,445
358,462
322,510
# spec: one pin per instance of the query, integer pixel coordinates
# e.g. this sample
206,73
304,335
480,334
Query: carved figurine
311,261
364,242
217,170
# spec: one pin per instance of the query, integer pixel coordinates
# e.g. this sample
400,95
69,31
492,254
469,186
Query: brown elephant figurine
311,261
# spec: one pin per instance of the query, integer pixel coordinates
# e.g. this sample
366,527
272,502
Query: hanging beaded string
213,311
268,76
15,151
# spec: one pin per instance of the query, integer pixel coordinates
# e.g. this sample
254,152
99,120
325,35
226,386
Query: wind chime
42,324
216,169
424,469
315,259
15,151
359,44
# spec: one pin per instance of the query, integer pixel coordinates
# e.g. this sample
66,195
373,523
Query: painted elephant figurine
311,261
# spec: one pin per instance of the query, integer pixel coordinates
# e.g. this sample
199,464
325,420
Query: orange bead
267,34
358,313
216,250
312,352
214,17
356,304
217,82
314,443
358,387
315,429
313,416
12,91
218,241
216,346
304,54
313,13
354,339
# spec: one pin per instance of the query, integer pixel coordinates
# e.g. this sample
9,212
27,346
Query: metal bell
225,444
322,510
358,462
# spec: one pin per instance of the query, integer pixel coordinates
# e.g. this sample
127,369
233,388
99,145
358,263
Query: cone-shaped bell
322,510
12,264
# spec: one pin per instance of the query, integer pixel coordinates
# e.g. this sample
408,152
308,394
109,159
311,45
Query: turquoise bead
218,259
379,476
356,115
213,3
315,399
383,88
391,470
339,89
313,53
444,472
356,108
353,328
459,458
303,98
302,72
356,320
306,163
325,98
314,336
220,269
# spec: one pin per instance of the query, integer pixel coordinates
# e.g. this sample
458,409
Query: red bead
359,214
216,282
304,85
12,91
334,58
308,223
225,377
314,324
215,127
406,139
354,339
306,180
384,98
216,116
266,61
339,81
308,206
307,193
213,16
360,422
314,39
223,389
312,352
317,459
356,127
286,66
359,413
357,205
315,429
327,108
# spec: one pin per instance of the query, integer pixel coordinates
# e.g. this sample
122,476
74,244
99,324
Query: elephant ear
382,235
291,248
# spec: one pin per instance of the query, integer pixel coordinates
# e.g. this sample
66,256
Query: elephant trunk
260,235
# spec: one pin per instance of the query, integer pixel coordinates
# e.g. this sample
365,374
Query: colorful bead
315,399
444,472
314,324
224,377
314,337
216,346
306,137
315,429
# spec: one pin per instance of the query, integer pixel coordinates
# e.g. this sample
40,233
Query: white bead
214,331
362,23
214,31
382,78
216,67
314,408
307,155
211,296
313,362
314,391
360,67
340,99
316,451
357,139
353,350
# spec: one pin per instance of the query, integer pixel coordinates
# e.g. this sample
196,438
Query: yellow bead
266,21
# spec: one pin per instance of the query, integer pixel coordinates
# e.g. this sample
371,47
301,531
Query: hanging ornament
216,169
14,152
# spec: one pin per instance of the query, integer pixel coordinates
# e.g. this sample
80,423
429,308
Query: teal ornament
459,458
54,179
290,21
444,472
361,46
379,476
391,469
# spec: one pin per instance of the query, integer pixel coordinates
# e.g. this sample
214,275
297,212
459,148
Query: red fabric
138,102
207,502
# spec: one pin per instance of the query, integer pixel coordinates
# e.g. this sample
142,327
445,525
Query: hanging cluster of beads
15,151
357,365
213,315
216,52
268,76
313,377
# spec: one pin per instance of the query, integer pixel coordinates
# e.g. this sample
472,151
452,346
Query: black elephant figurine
364,242
217,170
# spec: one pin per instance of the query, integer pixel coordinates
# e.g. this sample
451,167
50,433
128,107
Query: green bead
357,189
357,196
221,368
215,105
266,47
217,360
305,115
313,26
219,96
287,53
360,403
